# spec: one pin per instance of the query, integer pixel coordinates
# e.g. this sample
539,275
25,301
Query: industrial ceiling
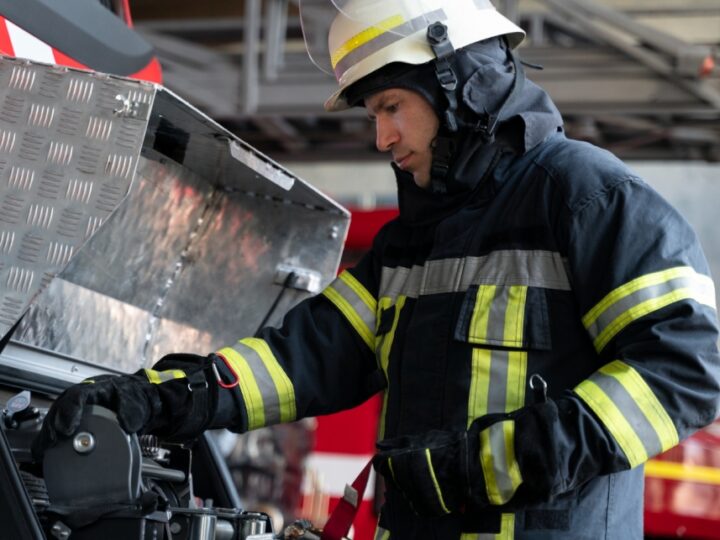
635,77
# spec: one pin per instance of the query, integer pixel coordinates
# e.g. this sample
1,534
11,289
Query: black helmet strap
444,143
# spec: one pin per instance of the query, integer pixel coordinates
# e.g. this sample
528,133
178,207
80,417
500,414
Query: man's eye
391,108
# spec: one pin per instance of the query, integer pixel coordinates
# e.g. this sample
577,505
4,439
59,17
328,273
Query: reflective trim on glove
159,377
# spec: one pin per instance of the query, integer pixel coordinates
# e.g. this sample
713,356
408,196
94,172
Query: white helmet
366,35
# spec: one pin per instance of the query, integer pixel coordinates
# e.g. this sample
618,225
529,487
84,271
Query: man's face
406,125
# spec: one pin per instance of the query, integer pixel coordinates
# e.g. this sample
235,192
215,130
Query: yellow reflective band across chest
356,303
645,295
630,411
266,389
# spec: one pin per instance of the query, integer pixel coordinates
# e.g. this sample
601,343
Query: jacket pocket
508,316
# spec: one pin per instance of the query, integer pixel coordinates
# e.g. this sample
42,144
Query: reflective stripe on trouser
159,377
356,304
630,411
267,391
530,268
643,296
507,531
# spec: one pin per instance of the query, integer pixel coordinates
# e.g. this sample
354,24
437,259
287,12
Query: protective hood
485,73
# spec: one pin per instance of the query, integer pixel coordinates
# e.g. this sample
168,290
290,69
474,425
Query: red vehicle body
682,486
77,33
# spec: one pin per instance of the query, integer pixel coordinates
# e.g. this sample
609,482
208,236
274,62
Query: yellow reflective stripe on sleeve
266,389
248,386
646,400
356,304
614,421
497,457
479,384
159,377
438,490
283,386
630,411
643,296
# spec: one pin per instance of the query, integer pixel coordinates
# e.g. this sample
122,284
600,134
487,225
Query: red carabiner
218,378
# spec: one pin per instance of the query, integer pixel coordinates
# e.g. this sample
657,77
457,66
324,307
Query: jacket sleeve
647,303
320,360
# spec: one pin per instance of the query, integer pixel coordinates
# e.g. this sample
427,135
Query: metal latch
303,279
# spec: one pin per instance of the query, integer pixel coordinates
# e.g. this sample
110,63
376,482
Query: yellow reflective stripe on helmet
643,296
159,377
438,491
356,304
268,393
630,411
365,36
497,457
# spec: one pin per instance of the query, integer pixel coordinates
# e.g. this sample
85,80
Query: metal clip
539,388
219,379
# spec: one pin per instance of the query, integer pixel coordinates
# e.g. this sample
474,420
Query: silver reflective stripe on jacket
508,267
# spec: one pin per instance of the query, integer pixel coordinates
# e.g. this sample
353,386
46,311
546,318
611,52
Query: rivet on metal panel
334,232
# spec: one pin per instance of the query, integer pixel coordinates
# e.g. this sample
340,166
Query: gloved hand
502,460
175,399
430,470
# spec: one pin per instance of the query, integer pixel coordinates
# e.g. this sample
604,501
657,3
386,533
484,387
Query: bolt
84,443
334,233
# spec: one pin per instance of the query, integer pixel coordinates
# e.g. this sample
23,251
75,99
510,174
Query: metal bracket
129,108
303,279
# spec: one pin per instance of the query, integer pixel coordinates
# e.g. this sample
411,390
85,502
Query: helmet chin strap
445,144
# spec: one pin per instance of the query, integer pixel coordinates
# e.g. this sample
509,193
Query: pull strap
339,522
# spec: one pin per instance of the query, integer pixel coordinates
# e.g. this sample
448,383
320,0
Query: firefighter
540,321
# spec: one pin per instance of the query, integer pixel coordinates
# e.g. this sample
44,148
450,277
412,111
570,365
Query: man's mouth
402,161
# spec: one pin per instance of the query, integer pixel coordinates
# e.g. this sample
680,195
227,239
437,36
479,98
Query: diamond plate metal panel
68,153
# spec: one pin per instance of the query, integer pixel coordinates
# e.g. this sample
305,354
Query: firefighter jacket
561,263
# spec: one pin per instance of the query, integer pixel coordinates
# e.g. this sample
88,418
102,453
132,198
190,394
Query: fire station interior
639,78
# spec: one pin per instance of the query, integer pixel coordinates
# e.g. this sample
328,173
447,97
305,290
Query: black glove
174,400
440,472
430,470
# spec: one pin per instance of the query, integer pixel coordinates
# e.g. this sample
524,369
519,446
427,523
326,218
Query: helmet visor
340,33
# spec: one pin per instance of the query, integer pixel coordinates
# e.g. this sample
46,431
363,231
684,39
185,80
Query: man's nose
386,135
